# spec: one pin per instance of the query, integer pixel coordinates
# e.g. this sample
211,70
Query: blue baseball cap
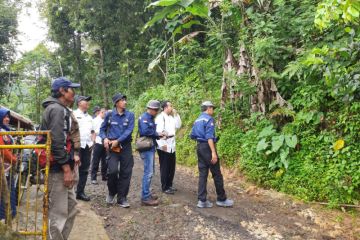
63,82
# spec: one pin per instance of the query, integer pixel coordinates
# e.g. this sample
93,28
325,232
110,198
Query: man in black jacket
57,119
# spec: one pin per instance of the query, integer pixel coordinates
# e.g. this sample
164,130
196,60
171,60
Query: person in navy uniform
116,131
147,127
203,131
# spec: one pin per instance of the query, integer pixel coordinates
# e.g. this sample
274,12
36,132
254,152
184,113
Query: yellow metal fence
24,186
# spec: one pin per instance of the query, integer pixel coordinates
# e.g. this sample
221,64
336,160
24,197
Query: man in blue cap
57,119
203,131
116,131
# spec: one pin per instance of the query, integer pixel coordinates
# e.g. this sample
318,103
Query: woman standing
6,158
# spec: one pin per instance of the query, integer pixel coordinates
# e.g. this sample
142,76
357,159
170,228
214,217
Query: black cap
117,97
82,98
63,82
96,109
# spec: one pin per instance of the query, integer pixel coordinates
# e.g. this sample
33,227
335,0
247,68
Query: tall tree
8,31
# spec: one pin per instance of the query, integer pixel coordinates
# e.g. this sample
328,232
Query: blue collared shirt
120,126
203,128
147,126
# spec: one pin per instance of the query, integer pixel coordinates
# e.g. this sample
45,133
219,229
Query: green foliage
290,149
309,48
337,11
31,81
8,32
171,9
276,147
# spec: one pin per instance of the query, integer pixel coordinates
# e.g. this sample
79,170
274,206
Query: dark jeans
167,168
204,164
99,155
85,155
120,167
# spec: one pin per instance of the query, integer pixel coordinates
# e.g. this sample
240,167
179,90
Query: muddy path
257,214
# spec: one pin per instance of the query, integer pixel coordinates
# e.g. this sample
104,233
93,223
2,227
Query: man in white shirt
86,142
99,153
167,122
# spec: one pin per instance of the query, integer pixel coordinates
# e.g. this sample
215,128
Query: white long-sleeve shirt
169,124
85,127
96,127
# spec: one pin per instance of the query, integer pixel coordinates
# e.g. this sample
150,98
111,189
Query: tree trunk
77,52
38,101
103,79
229,65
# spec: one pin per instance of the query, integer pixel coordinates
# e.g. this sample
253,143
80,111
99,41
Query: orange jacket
7,154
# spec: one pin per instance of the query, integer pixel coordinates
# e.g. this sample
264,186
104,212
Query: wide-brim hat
117,97
153,104
208,104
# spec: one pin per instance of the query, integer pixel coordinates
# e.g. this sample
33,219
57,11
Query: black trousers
99,155
120,167
167,168
204,164
85,155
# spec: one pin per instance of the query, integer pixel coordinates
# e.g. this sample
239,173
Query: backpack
41,153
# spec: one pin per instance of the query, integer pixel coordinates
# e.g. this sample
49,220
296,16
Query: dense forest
284,73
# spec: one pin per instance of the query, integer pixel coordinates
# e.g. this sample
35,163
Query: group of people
78,139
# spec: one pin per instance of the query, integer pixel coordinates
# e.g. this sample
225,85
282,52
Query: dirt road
257,214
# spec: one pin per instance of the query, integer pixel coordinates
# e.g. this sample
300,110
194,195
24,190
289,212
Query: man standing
147,128
85,125
99,153
57,119
168,121
116,132
203,132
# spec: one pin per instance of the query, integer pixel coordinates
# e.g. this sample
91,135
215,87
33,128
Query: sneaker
124,203
110,199
226,203
94,182
169,191
206,204
149,202
173,189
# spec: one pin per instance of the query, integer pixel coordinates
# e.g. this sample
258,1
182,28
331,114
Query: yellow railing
25,224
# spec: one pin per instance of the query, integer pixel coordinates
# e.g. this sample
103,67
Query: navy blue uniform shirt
147,126
203,128
120,126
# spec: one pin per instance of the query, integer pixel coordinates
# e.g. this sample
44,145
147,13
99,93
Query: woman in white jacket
167,122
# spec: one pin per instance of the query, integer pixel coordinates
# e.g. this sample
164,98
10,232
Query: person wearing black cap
147,128
57,118
96,111
85,124
116,132
203,131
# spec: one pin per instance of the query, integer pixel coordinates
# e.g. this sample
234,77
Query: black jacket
56,118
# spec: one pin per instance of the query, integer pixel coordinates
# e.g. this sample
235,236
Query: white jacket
169,124
85,127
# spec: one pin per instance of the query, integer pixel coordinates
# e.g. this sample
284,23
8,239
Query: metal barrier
21,179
